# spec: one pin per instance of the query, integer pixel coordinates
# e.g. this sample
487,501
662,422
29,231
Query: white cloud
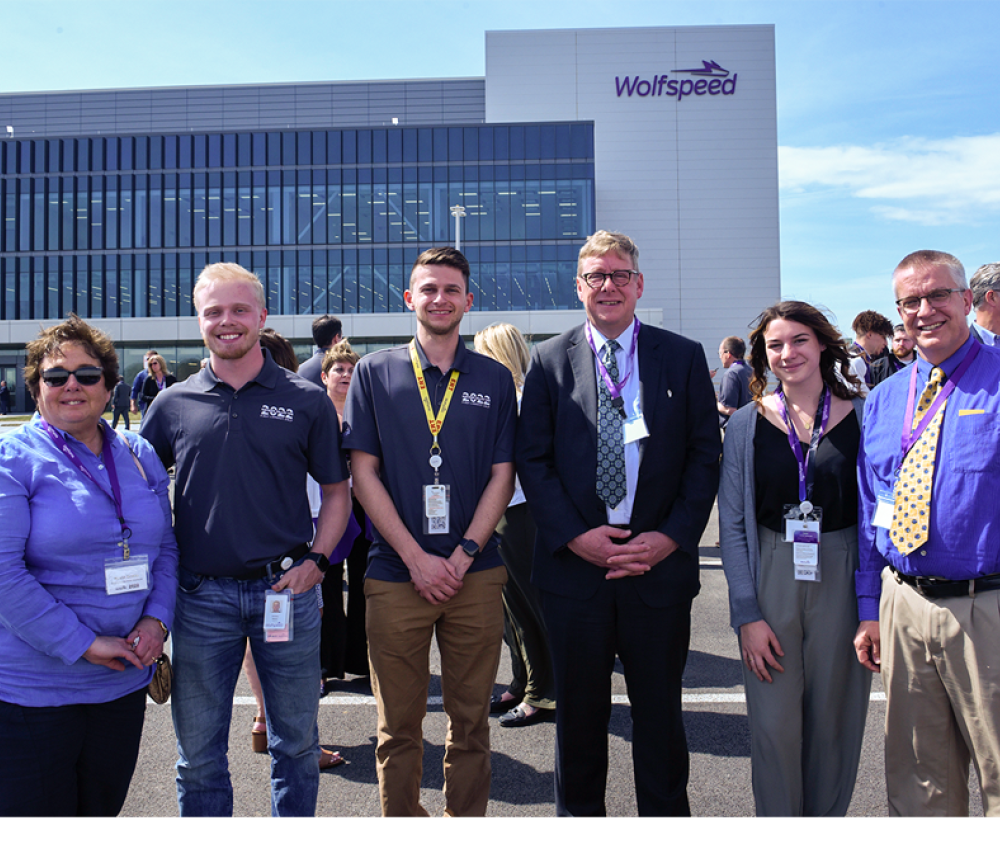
946,182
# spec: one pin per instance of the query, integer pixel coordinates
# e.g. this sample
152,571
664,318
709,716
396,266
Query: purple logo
710,79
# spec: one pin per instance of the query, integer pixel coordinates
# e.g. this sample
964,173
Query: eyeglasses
87,376
619,278
911,305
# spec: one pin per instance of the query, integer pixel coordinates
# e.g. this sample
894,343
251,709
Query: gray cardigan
738,514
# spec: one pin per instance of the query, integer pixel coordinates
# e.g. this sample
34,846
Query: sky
888,121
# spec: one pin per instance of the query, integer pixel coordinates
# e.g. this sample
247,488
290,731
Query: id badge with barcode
436,506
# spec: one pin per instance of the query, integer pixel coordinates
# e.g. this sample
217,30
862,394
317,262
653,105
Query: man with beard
900,356
243,434
871,334
430,426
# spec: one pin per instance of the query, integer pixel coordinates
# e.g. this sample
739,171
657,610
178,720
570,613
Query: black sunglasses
85,377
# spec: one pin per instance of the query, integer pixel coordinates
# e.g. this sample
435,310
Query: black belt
938,587
268,570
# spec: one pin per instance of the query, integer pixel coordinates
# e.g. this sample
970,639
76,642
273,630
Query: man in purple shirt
930,621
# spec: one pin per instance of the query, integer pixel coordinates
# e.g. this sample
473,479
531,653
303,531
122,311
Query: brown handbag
163,678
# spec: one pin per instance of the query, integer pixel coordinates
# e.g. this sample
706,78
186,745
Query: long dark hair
834,362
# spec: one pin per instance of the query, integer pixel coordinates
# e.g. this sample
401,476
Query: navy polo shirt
384,416
242,458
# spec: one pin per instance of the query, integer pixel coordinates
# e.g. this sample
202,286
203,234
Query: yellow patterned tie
911,513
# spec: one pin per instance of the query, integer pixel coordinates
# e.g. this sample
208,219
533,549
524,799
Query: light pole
458,212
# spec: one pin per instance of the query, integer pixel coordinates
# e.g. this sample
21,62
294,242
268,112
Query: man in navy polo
735,389
929,568
244,433
430,426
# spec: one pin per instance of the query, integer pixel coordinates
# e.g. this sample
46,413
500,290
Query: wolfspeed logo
275,413
711,80
475,399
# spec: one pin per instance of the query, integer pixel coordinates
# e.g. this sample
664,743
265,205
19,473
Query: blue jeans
213,621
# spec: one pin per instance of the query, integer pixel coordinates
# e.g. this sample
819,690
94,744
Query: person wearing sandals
88,581
788,523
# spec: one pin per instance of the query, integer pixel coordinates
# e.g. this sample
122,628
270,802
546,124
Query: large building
112,201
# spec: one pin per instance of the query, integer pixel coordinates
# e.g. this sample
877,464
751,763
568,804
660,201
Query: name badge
126,576
884,509
634,428
805,553
277,616
436,509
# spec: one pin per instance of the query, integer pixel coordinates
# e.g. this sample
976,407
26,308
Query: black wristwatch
470,547
321,560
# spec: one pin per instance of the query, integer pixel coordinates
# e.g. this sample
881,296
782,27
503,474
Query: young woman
791,587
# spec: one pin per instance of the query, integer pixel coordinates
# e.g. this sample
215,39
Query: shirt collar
949,365
624,339
989,337
460,362
206,381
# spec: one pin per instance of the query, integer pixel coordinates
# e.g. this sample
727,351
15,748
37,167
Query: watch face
470,547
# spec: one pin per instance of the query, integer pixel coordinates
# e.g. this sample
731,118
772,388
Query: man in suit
618,454
985,286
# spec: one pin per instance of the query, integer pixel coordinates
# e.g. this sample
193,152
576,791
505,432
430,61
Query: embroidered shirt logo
276,413
476,399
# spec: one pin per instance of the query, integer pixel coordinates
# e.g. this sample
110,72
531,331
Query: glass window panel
155,290
258,206
304,147
470,144
141,199
111,212
319,148
350,281
334,207
125,288
273,148
455,146
170,152
304,207
334,152
288,148
38,206
214,214
274,208
52,215
317,208
199,211
125,213
394,151
215,151
289,192
110,275
273,282
440,145
82,217
156,152
259,149
486,136
380,147
425,145
155,212
82,155
501,142
318,301
141,153
409,145
97,154
335,282
170,211
546,141
517,143
303,290
364,155
68,152
244,209
564,148
199,147
244,155
170,285
229,193
52,155
140,281
184,210
532,142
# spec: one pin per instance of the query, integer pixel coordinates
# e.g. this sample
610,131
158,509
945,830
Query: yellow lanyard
434,423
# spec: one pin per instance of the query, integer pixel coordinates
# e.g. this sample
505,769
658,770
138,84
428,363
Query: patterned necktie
911,512
610,437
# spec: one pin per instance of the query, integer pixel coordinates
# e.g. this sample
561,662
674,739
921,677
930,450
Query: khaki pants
941,673
469,630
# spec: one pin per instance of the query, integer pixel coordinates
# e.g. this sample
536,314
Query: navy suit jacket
556,453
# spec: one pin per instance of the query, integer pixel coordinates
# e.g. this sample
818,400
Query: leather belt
940,587
268,570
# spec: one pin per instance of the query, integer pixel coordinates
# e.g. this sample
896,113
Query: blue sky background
888,121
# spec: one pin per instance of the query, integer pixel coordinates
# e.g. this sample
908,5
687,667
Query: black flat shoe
518,718
499,704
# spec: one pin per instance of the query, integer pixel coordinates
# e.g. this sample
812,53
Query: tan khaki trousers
941,673
469,630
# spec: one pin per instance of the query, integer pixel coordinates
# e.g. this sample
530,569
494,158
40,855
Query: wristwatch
163,626
321,560
470,547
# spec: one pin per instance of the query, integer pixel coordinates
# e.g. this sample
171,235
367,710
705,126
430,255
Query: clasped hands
141,647
438,579
640,554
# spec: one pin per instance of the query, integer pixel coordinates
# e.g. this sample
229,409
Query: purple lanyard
109,462
806,462
911,435
613,388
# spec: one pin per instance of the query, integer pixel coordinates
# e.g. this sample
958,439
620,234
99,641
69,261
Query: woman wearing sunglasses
157,379
88,575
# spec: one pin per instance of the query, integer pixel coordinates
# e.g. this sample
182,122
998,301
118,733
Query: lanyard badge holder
436,503
803,521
